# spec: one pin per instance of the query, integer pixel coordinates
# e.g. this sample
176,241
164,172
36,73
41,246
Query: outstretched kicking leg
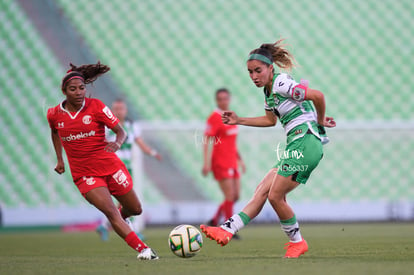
223,234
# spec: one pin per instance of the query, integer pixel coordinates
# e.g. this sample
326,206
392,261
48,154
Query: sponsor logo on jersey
89,181
81,135
108,113
121,178
87,119
61,124
298,93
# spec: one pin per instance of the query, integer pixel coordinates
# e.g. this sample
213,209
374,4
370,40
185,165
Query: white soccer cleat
147,254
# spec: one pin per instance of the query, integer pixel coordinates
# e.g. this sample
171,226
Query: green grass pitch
334,249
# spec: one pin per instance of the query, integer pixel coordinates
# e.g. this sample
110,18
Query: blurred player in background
120,110
224,160
291,103
78,125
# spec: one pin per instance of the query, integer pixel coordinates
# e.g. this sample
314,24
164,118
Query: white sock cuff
233,225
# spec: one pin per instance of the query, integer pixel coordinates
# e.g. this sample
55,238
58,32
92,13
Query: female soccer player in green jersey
290,102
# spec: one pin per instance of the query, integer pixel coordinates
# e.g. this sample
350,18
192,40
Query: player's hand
230,118
60,167
112,147
242,166
206,169
328,122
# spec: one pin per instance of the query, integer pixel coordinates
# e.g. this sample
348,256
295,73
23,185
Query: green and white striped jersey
125,152
286,101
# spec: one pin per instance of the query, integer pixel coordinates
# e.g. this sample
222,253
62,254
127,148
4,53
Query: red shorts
119,183
221,172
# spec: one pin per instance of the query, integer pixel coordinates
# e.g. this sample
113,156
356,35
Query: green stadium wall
168,57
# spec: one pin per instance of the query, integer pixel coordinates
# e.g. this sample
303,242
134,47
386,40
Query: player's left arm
147,149
120,138
318,99
288,87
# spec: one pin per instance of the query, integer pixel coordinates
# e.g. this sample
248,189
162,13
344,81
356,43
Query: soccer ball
185,241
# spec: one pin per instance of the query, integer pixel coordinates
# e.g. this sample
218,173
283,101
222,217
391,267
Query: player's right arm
213,124
57,144
267,120
121,136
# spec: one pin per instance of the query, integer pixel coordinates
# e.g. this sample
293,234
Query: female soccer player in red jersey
78,125
290,102
224,159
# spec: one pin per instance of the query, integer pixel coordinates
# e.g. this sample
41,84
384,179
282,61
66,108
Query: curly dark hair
88,72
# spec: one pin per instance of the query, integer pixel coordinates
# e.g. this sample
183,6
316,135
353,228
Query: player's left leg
120,185
130,204
129,207
294,171
101,199
277,198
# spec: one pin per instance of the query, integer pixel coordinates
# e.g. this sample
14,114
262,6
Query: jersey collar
69,113
266,92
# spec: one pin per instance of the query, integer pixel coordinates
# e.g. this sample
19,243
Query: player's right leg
223,234
101,199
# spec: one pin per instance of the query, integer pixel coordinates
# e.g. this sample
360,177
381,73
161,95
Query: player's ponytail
276,53
89,73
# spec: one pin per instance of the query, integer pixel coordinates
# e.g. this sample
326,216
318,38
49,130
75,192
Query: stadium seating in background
29,79
170,56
